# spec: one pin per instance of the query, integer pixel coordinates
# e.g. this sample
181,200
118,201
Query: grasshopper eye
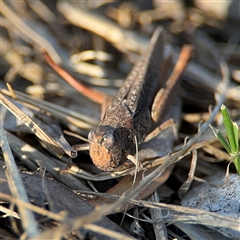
90,136
109,141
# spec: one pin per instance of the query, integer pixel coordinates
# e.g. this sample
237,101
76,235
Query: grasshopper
129,115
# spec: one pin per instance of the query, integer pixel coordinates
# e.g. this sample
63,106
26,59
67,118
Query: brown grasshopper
128,118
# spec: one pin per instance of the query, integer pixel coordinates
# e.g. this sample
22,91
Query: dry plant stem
121,38
26,30
209,80
33,208
49,17
65,228
77,119
180,66
21,149
42,10
9,212
186,185
193,232
193,216
163,95
88,92
11,91
16,186
107,232
135,226
73,224
28,70
156,214
76,135
205,139
62,197
44,187
49,141
165,125
219,155
125,185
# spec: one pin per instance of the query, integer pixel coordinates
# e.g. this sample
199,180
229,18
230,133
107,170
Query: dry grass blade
58,147
186,185
178,70
31,157
25,29
77,215
180,213
101,232
31,207
156,216
94,216
72,117
204,139
123,39
105,232
16,186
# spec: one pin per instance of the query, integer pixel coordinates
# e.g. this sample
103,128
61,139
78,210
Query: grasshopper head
105,148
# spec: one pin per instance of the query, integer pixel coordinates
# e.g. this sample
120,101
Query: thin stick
84,90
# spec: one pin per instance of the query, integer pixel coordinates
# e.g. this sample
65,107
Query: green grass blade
229,128
221,139
237,164
236,133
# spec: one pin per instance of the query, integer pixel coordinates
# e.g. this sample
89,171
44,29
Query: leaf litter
123,31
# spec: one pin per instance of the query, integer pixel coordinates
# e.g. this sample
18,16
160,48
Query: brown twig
84,90
179,68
